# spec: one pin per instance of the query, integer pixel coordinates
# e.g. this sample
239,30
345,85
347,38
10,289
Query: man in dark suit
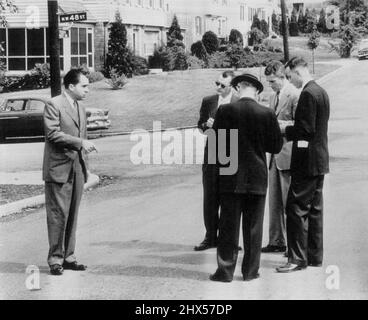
211,200
309,164
252,130
65,170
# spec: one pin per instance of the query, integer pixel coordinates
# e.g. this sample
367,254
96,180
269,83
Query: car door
12,118
34,120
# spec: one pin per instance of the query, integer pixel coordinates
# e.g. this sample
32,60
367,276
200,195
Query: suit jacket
310,155
64,133
208,110
258,133
288,101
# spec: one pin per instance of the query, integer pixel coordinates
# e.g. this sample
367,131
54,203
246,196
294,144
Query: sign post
54,47
285,29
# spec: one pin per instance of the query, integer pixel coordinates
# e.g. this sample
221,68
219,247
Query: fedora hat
248,78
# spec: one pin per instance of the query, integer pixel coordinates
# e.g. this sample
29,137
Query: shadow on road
145,245
150,272
16,267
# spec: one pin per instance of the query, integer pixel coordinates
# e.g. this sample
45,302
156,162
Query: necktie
277,100
76,106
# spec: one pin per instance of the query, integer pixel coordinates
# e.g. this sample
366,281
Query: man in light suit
65,170
309,165
211,200
283,101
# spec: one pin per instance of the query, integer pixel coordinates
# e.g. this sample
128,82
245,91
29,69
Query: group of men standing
293,130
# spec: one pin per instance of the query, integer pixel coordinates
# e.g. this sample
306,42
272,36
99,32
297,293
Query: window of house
139,3
23,48
151,3
81,47
161,4
242,12
198,25
224,2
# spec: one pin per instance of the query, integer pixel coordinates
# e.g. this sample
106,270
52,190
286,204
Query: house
220,16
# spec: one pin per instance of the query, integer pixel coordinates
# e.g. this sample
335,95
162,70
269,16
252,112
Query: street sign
73,17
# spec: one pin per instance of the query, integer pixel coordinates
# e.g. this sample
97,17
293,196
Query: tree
265,28
4,5
236,37
174,36
197,49
301,22
210,42
275,23
118,57
313,41
293,27
256,22
349,37
310,21
321,26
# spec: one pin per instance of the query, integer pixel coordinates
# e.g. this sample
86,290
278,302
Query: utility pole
54,46
285,29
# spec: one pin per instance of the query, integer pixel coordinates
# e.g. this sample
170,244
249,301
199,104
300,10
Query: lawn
173,98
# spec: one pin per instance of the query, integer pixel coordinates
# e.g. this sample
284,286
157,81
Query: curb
125,133
18,206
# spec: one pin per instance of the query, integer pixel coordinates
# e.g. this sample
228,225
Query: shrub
159,59
256,36
236,37
95,76
116,80
177,58
219,60
210,42
169,59
235,54
140,65
197,49
195,63
265,28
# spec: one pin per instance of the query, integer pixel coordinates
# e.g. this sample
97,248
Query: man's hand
283,124
210,122
88,146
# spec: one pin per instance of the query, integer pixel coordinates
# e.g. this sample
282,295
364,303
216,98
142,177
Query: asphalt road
137,234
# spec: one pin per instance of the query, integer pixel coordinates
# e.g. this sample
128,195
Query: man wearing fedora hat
244,192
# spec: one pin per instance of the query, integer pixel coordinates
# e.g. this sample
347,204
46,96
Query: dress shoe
56,270
273,249
216,277
314,264
204,246
250,278
290,267
74,266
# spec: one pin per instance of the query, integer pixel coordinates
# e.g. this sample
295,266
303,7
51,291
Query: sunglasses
220,84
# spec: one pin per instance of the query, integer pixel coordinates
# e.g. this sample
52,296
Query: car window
35,105
15,105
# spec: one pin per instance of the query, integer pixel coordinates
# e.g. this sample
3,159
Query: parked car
363,49
23,117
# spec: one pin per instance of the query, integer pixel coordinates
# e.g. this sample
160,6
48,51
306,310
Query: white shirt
225,100
70,99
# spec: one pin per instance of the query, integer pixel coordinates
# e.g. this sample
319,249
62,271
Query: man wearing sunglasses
224,95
